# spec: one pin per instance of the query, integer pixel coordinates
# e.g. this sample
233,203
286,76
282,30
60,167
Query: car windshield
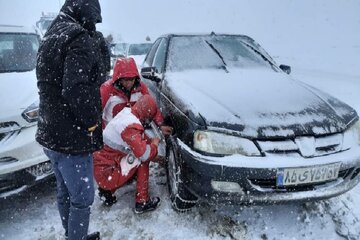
118,49
202,52
18,52
139,49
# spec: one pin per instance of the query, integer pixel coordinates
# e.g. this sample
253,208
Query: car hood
259,103
18,91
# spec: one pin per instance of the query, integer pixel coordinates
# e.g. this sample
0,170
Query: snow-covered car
22,160
244,129
138,52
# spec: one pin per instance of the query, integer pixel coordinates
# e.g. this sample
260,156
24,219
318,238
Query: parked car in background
117,50
44,23
22,161
138,52
244,129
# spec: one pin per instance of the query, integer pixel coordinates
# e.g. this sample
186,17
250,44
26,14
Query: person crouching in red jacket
128,151
124,90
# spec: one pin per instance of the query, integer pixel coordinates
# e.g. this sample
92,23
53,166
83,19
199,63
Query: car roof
16,29
200,34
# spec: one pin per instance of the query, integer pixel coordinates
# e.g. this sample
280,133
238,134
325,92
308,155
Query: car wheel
181,199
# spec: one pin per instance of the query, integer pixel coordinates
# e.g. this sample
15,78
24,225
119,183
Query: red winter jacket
124,134
114,99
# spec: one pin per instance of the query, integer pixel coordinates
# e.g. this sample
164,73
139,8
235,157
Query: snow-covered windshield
201,52
139,49
18,52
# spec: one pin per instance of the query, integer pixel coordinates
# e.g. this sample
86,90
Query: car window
118,49
139,49
199,52
18,52
159,59
150,56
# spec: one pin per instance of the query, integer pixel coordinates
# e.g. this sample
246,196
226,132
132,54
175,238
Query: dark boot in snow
150,205
93,236
107,197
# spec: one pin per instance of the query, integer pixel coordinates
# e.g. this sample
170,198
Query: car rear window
18,52
201,52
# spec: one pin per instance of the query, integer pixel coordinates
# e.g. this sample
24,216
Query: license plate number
306,175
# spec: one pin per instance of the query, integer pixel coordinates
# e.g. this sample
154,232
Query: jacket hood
145,108
258,103
125,68
86,12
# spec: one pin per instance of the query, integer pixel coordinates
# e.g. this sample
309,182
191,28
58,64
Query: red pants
108,175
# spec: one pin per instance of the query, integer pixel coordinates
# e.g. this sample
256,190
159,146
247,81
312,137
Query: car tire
181,199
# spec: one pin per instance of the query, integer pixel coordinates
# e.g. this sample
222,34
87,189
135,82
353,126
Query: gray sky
133,20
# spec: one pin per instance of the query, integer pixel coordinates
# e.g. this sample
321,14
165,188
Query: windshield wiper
258,52
218,53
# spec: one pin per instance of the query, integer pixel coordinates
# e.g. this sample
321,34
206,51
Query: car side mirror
151,73
285,68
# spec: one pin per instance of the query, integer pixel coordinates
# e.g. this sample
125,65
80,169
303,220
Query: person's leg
77,172
62,194
142,183
143,201
104,168
108,174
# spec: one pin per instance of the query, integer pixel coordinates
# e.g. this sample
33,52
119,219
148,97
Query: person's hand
166,130
155,141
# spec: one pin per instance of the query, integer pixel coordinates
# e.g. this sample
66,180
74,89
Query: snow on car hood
18,91
259,103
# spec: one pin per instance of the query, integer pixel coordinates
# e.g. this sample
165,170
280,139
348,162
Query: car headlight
352,136
31,113
218,143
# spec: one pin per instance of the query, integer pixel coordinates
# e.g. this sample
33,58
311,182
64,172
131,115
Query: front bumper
20,151
22,160
256,176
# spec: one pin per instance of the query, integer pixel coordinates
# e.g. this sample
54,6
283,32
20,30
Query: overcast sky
133,20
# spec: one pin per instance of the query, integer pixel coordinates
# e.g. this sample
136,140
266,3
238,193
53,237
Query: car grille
8,130
306,146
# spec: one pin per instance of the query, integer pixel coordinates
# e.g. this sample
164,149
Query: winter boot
93,236
150,205
107,197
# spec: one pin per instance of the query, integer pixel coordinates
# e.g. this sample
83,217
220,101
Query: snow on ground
33,215
303,36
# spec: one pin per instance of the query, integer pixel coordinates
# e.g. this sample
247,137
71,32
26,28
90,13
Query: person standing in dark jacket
69,128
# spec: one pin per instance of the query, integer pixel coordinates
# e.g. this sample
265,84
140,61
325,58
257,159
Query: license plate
306,175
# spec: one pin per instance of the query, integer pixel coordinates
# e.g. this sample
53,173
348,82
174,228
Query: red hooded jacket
113,99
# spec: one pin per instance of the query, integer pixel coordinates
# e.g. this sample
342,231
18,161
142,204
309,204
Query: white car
22,160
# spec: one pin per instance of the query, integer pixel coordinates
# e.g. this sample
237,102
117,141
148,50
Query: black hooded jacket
68,72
